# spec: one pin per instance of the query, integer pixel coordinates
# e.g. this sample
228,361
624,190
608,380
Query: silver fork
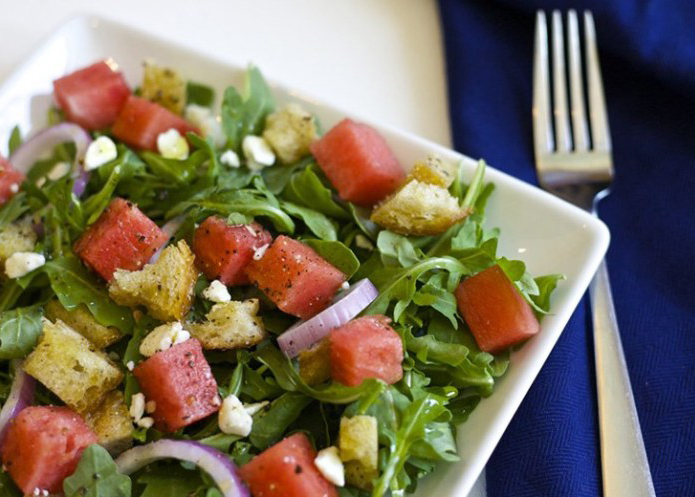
578,167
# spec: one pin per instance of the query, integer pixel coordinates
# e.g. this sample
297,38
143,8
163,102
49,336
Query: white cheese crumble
145,422
233,419
257,152
14,187
58,171
41,492
171,145
330,466
217,292
345,285
230,158
21,263
99,152
260,251
130,365
137,406
208,124
163,337
252,409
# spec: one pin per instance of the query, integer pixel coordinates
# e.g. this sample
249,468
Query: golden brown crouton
315,363
163,86
165,287
230,325
289,132
360,476
358,441
71,367
82,321
112,423
434,170
419,209
16,237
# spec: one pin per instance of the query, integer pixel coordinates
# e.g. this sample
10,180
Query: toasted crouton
163,86
230,325
165,287
71,367
289,132
82,321
16,237
435,171
315,363
112,423
419,209
358,442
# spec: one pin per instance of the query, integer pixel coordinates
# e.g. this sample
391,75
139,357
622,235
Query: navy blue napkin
647,52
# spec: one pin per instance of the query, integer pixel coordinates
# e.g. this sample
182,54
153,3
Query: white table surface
383,59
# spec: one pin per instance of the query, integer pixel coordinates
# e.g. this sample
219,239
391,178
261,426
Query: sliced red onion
170,228
346,305
212,461
45,141
21,396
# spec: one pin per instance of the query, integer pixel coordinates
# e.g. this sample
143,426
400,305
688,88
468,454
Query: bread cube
165,287
289,132
358,442
419,209
163,86
72,367
112,424
230,325
435,171
360,476
82,321
16,237
315,363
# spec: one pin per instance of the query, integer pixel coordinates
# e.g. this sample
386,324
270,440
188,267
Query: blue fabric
647,51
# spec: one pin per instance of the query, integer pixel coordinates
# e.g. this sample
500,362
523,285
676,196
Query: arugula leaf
305,188
199,94
11,210
178,172
546,285
7,486
337,253
271,426
97,476
397,250
74,285
318,223
15,140
20,329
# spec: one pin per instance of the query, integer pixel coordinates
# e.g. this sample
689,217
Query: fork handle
623,457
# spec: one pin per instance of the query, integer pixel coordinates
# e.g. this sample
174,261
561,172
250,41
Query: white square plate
550,235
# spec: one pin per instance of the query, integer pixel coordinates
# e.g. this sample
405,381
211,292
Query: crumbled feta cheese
257,152
145,422
163,337
330,466
150,406
345,285
14,187
258,254
99,152
21,263
217,292
130,365
58,171
233,419
230,158
172,145
208,124
250,229
137,406
252,409
363,242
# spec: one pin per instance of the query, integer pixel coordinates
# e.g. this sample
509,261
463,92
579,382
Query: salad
230,302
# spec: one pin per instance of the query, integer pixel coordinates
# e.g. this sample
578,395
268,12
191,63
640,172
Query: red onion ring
220,468
170,228
346,305
21,395
45,141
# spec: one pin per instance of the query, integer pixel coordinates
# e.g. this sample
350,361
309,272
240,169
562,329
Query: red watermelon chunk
92,97
141,122
297,279
122,238
10,180
43,447
366,347
495,311
180,382
358,162
287,469
223,251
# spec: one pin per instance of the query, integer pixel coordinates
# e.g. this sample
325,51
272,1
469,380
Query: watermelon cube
358,162
180,382
287,469
92,97
366,347
43,447
10,180
141,121
495,311
297,279
223,251
122,238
